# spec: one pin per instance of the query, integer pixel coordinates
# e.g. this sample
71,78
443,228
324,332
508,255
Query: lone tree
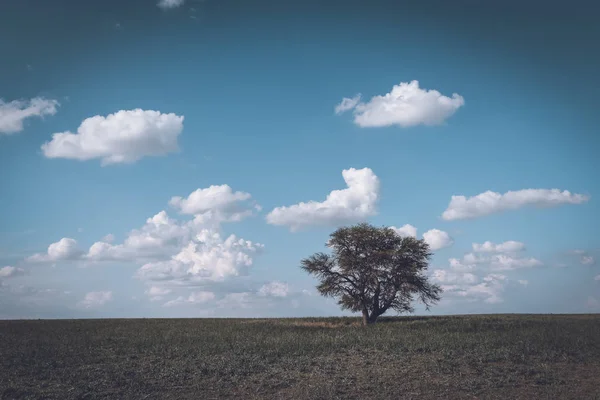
372,270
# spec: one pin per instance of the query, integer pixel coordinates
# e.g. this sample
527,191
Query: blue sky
163,102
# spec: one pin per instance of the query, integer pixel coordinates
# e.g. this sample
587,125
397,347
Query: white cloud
471,258
406,105
206,258
489,290
13,114
160,236
501,262
226,204
587,260
353,204
347,104
494,262
523,282
95,299
64,249
157,293
450,277
108,238
489,202
10,271
194,298
437,239
166,4
462,266
597,278
507,247
123,137
274,289
592,302
405,230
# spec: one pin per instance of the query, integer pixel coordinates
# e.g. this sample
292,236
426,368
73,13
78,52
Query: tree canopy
372,270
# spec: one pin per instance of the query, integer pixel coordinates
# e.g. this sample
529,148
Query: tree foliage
372,270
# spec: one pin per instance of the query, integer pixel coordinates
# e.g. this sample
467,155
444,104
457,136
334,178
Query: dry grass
470,357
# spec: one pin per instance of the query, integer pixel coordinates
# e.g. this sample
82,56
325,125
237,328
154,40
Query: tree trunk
365,318
373,318
368,319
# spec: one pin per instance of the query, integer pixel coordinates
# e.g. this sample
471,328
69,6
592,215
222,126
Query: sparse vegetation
494,356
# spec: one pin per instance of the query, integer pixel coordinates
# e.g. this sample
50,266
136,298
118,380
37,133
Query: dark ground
468,357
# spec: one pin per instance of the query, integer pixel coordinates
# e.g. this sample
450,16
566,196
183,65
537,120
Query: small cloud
523,282
10,271
489,202
274,289
96,299
507,247
597,278
221,200
64,249
406,230
194,298
347,104
167,4
405,105
437,239
587,260
14,113
157,293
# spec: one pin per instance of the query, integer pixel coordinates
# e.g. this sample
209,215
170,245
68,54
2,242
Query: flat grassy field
469,357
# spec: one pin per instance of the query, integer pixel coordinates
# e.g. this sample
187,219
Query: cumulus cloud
221,201
437,239
355,203
597,278
406,105
10,272
174,253
405,230
160,236
14,113
64,249
123,137
167,4
507,247
274,289
206,258
489,202
523,282
95,299
194,298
